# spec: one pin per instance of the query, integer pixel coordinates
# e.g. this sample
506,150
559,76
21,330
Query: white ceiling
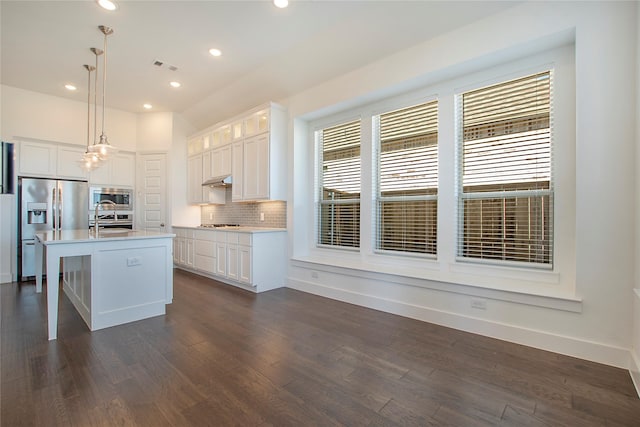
268,53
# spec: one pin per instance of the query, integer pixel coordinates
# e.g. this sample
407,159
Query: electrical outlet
210,215
314,274
133,261
479,304
261,216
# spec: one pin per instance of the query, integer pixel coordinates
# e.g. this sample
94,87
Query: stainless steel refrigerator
48,204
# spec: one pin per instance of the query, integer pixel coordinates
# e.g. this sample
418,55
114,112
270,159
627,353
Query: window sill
535,288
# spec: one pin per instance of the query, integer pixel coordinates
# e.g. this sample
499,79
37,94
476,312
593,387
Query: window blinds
407,179
506,193
339,210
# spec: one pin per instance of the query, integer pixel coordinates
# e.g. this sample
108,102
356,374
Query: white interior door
152,192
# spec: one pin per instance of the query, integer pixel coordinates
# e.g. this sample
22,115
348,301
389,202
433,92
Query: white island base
115,278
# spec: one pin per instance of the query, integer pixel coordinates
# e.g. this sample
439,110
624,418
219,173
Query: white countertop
83,235
241,229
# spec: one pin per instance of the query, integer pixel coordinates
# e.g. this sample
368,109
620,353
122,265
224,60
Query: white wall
182,213
154,131
50,118
635,354
7,238
598,328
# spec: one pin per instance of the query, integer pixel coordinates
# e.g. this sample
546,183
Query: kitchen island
114,277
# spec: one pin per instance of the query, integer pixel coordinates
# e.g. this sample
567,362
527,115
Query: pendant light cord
104,80
88,67
95,103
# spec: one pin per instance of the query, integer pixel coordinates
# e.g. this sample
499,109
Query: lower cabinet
251,260
205,253
183,247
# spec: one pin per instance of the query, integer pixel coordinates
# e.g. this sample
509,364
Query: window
339,177
505,187
407,179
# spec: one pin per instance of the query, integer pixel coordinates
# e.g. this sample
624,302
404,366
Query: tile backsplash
246,213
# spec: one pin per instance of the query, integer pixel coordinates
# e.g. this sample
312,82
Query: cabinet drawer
220,236
244,239
206,248
205,263
179,232
189,234
205,235
232,238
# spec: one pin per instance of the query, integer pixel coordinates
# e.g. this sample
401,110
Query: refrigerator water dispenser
36,213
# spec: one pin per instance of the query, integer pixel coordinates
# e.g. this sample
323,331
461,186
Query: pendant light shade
102,147
89,160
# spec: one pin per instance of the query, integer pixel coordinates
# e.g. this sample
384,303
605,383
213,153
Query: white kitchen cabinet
184,247
194,179
244,258
177,248
194,145
256,123
123,169
226,134
253,260
220,238
237,171
51,160
262,171
118,171
199,169
256,168
221,161
252,148
68,164
237,130
206,165
37,159
232,261
205,251
189,252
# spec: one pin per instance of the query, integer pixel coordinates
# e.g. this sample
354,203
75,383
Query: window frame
461,196
318,184
378,198
446,273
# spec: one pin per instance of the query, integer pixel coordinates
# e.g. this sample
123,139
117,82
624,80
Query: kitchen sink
113,232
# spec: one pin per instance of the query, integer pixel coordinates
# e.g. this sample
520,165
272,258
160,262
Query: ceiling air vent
160,64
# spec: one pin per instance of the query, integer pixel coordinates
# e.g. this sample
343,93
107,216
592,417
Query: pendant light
89,160
103,148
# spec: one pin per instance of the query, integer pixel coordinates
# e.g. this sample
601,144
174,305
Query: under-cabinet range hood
218,181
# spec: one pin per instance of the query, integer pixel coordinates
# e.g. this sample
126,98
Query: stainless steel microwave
122,197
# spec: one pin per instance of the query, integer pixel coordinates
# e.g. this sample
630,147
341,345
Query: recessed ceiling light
147,106
175,84
108,4
215,52
70,87
281,3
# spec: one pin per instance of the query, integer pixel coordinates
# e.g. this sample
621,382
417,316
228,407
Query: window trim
378,198
461,196
560,282
318,181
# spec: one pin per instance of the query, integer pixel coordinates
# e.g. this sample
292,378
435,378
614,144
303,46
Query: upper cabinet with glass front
195,145
257,122
259,138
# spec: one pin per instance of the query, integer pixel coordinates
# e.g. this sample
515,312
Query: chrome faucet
100,203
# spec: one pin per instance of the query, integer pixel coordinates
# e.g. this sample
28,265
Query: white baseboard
634,370
570,346
6,278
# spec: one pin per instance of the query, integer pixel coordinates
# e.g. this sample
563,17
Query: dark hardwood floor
222,356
